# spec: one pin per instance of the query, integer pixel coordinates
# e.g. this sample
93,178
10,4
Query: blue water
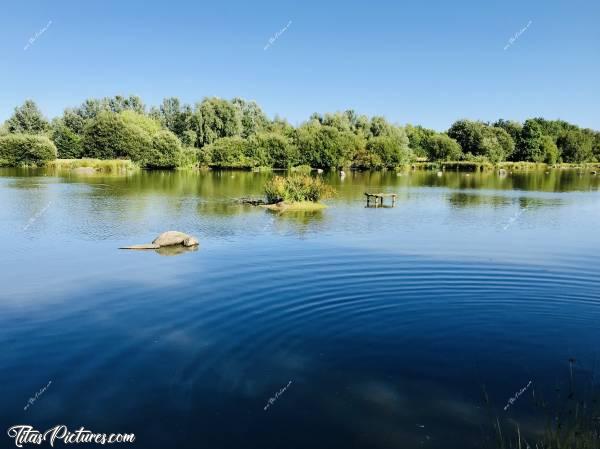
390,324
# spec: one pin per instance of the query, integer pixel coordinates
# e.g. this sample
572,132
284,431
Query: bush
326,147
107,136
390,150
131,135
441,147
297,188
187,157
68,144
365,160
549,150
272,149
165,151
148,124
228,152
26,149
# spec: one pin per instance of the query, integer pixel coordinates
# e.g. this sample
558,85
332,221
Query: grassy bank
98,165
473,166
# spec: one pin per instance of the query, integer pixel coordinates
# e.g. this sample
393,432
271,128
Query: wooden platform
378,197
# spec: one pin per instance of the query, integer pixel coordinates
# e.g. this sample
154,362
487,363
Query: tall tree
27,119
252,117
219,119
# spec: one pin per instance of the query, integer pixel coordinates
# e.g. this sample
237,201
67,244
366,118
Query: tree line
238,134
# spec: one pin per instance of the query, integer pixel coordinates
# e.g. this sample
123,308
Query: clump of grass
304,169
297,188
101,165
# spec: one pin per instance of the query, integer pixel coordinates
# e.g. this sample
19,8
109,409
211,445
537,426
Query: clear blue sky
422,62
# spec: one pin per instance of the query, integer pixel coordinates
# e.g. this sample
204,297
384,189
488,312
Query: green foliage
110,136
529,147
511,127
418,140
549,150
575,146
27,119
479,139
253,119
166,150
272,149
219,119
228,152
440,147
144,122
326,147
68,143
26,149
187,157
238,134
296,188
392,151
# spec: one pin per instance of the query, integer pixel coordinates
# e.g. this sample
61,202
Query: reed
100,165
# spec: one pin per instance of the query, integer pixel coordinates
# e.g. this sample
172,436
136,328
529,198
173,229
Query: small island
296,193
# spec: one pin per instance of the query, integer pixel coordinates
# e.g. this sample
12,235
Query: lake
348,327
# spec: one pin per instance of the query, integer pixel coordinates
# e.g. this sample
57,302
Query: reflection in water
175,250
388,321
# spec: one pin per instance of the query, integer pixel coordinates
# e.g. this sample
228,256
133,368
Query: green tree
166,149
219,119
227,152
326,146
110,136
468,134
479,139
549,150
418,138
27,119
26,149
252,117
511,127
575,146
68,143
441,147
529,146
391,151
272,149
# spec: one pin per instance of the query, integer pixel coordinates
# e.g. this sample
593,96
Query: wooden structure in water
378,197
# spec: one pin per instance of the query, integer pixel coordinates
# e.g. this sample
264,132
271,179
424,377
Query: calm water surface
384,324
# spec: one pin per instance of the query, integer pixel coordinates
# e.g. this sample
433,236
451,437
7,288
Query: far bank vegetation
237,134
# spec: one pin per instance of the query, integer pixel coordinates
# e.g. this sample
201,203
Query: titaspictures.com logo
26,434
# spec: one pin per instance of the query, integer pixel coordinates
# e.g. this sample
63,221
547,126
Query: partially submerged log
252,201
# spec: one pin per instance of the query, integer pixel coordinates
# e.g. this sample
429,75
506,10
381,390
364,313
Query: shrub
390,150
187,157
272,149
326,147
26,149
148,124
549,150
297,188
68,144
365,160
441,147
165,151
130,135
105,137
228,152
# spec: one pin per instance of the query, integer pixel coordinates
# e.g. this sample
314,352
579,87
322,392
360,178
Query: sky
420,62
